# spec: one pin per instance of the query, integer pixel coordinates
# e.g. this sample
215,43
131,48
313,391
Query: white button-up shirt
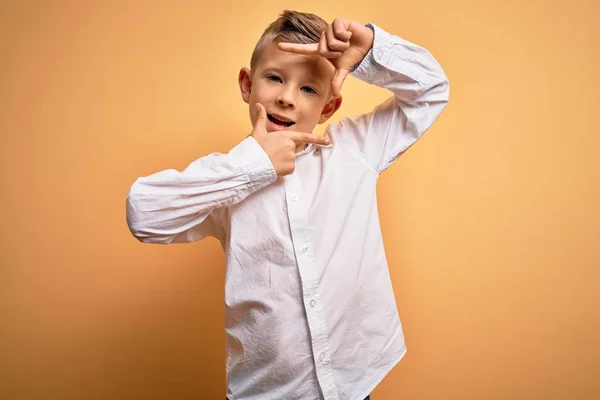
310,310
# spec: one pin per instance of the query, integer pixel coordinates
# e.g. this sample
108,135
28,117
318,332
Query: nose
285,98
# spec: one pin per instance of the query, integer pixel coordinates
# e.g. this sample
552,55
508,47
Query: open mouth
281,121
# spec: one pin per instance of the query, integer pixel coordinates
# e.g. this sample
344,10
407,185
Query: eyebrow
274,69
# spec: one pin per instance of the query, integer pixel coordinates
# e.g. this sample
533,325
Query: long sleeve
420,92
172,206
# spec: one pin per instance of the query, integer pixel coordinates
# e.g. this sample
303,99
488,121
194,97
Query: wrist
369,41
370,33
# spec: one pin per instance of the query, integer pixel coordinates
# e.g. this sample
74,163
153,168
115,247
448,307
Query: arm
174,207
420,93
410,72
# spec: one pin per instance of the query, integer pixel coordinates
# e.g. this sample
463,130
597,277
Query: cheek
316,106
310,117
259,90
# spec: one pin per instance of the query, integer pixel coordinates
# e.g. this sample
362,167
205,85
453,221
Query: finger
301,137
323,43
341,28
324,50
334,43
309,49
261,118
338,80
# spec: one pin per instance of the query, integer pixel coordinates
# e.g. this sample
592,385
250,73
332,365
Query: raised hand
281,146
344,43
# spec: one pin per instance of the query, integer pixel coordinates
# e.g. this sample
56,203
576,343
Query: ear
245,82
330,109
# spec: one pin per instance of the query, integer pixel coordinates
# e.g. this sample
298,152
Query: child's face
294,89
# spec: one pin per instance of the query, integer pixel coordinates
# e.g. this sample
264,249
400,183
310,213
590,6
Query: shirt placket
297,207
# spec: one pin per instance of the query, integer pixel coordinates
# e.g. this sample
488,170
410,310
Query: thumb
260,124
338,80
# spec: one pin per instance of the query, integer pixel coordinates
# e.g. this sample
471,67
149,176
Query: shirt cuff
255,162
389,52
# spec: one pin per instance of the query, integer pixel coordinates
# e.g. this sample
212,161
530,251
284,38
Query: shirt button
303,248
294,197
321,356
313,303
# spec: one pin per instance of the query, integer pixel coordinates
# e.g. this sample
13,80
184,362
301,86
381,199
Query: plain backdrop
491,222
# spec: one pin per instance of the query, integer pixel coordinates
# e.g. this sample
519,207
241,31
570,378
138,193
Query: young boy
310,310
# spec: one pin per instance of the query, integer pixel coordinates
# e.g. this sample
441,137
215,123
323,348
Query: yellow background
491,222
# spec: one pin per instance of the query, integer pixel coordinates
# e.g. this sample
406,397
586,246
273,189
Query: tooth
283,119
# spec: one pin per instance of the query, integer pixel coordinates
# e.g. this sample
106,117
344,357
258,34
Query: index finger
302,137
309,49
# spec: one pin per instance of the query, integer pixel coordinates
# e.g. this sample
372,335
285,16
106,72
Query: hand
344,43
280,146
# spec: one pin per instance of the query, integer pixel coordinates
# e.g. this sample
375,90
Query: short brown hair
291,27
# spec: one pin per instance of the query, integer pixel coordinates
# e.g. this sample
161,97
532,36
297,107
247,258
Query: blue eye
308,90
273,78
